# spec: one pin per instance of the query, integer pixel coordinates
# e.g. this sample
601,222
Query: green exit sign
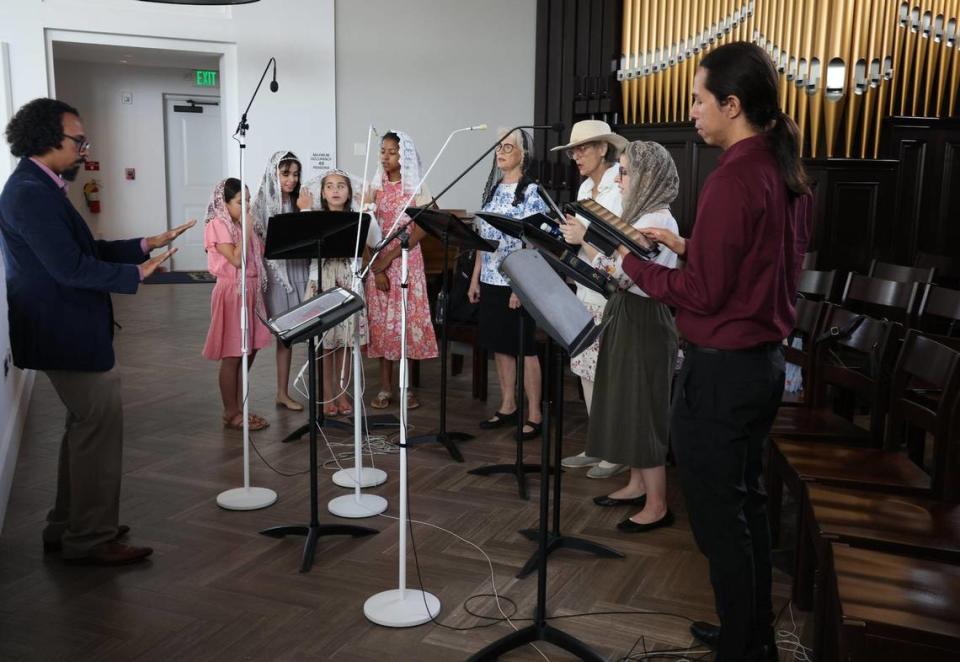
206,77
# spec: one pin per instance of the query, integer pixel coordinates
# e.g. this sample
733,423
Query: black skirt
499,325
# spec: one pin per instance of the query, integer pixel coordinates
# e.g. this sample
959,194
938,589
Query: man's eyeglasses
83,144
506,148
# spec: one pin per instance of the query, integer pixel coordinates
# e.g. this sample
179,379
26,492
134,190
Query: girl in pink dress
397,180
221,240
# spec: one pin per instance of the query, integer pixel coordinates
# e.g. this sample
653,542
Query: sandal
498,420
255,423
412,402
382,401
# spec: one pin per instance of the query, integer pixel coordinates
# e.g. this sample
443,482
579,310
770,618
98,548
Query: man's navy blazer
59,278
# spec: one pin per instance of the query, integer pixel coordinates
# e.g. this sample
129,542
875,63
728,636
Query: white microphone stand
402,607
358,505
246,497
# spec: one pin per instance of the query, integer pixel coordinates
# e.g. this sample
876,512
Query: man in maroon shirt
735,305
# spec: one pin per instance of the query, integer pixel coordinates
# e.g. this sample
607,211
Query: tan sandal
412,402
256,423
382,401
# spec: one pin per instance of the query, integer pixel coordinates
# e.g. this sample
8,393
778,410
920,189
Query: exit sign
206,77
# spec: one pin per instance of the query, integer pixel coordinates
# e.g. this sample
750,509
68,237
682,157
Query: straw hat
588,131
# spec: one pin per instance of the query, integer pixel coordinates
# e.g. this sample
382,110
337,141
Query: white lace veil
315,187
269,202
410,166
217,212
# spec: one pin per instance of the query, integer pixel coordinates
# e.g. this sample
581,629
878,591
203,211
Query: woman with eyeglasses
629,421
594,148
509,192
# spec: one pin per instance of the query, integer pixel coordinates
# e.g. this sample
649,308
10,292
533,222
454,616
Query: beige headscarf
654,182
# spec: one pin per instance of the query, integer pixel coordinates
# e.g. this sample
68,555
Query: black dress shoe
629,526
498,420
56,546
112,553
609,501
533,433
707,634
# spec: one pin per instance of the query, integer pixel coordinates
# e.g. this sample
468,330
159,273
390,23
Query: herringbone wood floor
217,590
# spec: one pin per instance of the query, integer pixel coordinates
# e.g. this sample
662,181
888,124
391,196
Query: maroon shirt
739,284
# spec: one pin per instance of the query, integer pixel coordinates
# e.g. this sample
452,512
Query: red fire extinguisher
91,193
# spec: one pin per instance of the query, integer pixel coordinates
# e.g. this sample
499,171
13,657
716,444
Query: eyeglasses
506,148
83,144
623,172
578,150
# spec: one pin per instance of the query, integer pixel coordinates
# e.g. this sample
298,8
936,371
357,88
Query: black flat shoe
534,433
608,501
629,526
707,634
499,420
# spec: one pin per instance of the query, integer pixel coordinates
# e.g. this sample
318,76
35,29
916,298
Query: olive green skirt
630,412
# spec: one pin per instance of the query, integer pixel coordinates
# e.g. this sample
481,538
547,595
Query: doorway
194,160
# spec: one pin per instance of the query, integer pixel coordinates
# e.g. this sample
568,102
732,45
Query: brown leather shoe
50,547
112,553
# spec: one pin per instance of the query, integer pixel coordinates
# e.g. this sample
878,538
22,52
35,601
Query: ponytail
784,139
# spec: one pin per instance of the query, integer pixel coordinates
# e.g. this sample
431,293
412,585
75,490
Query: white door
194,167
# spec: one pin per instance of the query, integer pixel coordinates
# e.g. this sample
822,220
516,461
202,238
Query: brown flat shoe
112,553
56,546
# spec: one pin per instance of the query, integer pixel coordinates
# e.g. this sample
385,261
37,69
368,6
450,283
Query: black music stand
451,231
313,530
559,256
540,630
513,227
320,235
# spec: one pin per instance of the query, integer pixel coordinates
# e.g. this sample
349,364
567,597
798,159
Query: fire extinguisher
91,193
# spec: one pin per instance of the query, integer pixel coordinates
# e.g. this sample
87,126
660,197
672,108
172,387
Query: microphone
273,84
479,127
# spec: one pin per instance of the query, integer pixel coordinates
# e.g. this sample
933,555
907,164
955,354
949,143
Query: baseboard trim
10,441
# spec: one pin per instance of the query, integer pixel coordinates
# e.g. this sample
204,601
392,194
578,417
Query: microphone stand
246,497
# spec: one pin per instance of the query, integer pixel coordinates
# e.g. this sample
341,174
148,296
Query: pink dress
383,308
223,339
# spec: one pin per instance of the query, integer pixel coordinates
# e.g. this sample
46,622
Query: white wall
301,116
124,136
429,67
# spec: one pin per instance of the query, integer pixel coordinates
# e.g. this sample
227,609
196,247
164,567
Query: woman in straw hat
594,148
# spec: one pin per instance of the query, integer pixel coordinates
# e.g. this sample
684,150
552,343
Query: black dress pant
725,402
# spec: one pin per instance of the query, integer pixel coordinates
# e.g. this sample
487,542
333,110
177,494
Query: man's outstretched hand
164,238
148,267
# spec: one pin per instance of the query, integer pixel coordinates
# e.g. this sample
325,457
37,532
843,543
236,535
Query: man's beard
71,174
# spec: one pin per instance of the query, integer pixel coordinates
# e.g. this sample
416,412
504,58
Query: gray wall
428,67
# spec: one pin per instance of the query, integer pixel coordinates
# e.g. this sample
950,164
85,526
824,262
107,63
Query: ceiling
141,57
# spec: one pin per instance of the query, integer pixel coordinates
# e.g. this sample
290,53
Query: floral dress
383,308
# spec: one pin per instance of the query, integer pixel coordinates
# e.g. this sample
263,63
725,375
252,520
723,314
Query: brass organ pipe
815,86
909,47
651,60
872,20
669,39
935,43
836,71
854,56
626,58
803,70
636,84
885,84
788,101
683,70
920,57
947,45
642,96
955,73
900,30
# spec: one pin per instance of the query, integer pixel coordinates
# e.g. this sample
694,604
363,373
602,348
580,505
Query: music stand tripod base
369,477
405,608
352,506
246,498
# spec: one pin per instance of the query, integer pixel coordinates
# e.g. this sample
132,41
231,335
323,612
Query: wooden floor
217,590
